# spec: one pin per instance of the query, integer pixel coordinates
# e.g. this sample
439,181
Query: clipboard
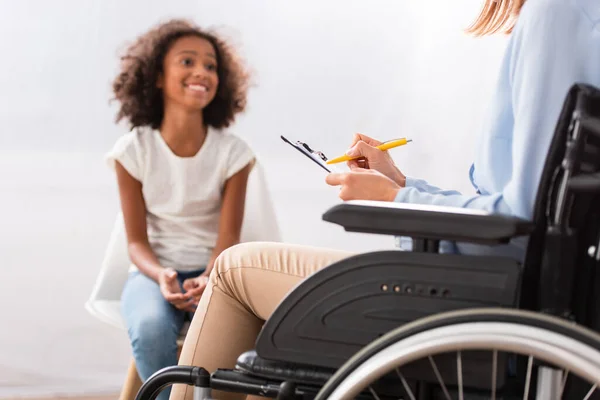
317,156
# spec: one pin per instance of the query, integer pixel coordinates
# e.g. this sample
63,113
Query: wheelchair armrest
427,222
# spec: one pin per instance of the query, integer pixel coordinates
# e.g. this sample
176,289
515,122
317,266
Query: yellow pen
390,144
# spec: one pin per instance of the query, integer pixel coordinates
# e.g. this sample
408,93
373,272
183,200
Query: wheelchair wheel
554,351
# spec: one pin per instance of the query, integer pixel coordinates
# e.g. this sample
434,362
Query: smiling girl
181,177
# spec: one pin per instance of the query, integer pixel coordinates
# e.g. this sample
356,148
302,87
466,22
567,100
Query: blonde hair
496,16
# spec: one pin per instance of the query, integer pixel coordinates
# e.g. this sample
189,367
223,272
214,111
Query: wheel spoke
589,394
374,393
405,384
439,378
460,375
528,378
563,384
494,373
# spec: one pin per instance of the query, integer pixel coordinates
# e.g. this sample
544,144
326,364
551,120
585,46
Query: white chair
259,224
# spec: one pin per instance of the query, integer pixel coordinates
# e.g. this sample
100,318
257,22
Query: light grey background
322,70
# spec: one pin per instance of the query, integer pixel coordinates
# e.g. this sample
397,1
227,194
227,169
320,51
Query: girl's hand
194,287
364,184
372,158
171,291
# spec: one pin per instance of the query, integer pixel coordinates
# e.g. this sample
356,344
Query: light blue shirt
554,44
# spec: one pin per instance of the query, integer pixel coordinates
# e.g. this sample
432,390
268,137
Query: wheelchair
424,324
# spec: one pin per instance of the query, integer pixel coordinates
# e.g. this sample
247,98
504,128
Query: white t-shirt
182,194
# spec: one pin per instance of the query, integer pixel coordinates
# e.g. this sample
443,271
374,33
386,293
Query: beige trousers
246,285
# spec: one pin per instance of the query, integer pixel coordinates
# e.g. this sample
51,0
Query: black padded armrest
427,222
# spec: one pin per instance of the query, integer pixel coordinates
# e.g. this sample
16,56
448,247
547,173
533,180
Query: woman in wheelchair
553,45
180,176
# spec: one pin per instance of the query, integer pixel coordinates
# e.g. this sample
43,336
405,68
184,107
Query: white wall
323,70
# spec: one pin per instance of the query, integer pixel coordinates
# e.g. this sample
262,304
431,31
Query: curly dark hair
135,85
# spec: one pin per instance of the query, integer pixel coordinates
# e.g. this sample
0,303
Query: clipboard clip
318,153
317,156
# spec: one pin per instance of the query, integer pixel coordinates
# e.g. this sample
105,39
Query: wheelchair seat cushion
251,363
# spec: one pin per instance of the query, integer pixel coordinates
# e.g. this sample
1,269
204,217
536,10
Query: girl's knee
152,330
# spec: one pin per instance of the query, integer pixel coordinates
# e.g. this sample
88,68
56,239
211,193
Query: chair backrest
259,224
564,250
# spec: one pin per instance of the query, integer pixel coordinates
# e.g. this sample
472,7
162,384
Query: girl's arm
232,213
140,252
134,215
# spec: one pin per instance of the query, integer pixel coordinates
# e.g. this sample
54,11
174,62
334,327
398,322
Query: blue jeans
153,324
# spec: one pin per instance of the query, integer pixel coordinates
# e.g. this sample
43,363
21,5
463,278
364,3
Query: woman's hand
364,184
171,291
372,158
